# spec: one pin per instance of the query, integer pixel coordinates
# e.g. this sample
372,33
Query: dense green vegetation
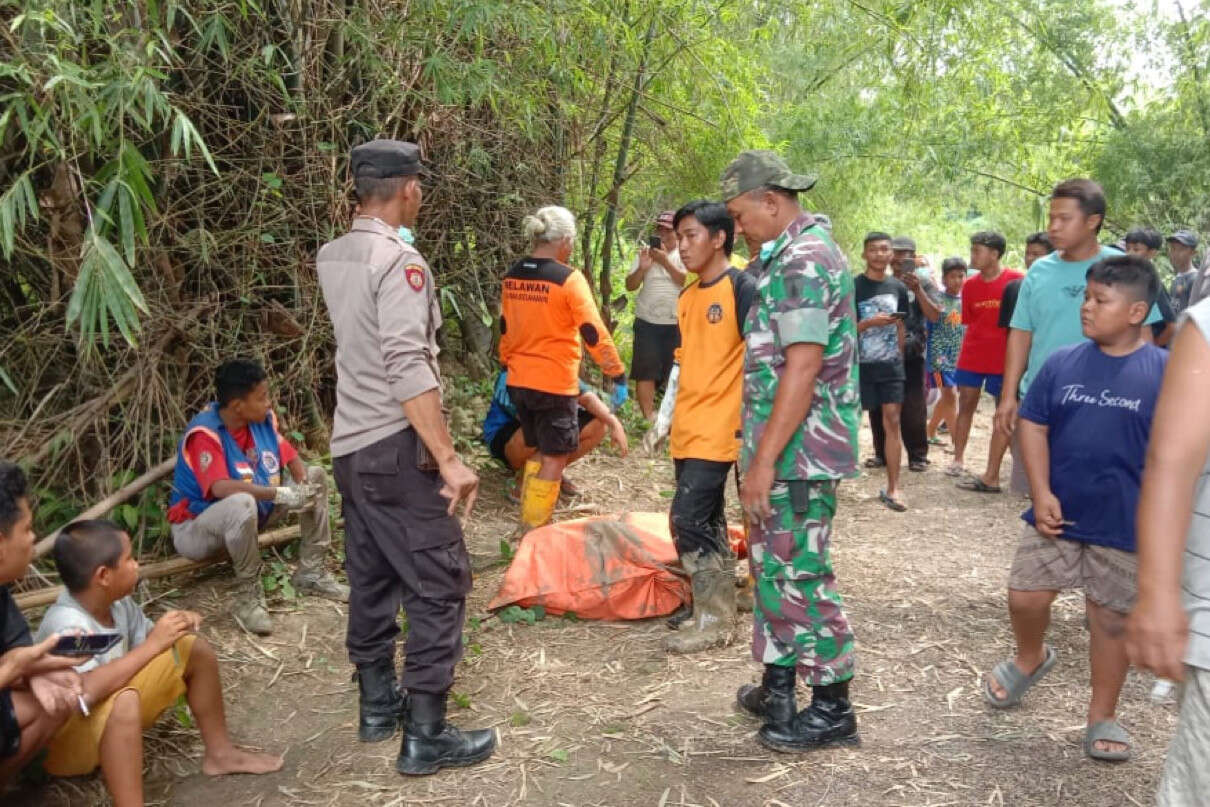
169,167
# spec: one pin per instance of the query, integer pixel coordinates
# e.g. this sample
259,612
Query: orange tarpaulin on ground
603,567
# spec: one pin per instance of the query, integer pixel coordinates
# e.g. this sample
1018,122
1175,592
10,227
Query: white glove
663,419
294,497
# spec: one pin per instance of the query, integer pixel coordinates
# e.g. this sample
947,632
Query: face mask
766,250
405,233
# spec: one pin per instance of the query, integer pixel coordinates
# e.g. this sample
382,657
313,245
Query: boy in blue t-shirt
1084,428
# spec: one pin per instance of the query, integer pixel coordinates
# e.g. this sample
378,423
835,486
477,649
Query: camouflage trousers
799,619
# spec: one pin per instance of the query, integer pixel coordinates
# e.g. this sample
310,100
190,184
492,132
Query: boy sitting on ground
37,690
128,687
1084,428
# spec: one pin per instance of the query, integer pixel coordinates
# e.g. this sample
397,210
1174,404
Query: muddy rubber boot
713,609
829,720
430,743
745,595
773,699
248,610
679,617
381,706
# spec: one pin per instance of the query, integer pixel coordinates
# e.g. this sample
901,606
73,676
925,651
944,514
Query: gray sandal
1016,683
1107,731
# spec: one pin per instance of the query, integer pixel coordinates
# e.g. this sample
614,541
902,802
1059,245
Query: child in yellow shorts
128,687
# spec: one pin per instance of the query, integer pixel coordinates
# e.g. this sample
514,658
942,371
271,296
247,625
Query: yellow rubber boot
538,502
527,473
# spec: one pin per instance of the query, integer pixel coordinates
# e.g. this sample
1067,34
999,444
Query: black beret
386,158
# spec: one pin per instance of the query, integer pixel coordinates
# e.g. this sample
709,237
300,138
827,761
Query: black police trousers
402,549
697,521
913,419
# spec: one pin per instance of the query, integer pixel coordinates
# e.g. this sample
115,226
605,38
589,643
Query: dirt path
597,714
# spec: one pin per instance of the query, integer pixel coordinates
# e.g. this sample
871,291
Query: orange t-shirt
545,309
705,421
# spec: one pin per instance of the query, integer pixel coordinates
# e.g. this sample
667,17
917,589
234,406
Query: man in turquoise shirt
1047,316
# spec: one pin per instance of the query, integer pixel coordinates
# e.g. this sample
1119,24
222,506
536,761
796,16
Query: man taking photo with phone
658,275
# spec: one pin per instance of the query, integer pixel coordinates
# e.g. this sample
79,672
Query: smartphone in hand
85,645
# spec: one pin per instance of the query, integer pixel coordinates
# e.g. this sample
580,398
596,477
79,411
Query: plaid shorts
1108,576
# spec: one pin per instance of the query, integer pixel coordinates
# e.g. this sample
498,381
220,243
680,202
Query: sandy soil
598,714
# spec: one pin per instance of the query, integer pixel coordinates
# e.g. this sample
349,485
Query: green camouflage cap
756,169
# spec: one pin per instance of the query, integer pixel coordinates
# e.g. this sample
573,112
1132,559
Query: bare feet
239,760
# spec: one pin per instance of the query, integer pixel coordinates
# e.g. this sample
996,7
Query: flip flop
977,485
1107,731
894,504
955,469
1016,683
874,462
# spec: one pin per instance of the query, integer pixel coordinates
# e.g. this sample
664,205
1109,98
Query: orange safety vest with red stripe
545,310
261,466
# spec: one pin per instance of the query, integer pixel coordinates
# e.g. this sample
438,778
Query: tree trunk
476,343
619,177
598,158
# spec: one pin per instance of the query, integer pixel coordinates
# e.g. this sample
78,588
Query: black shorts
10,728
548,421
496,446
654,348
881,385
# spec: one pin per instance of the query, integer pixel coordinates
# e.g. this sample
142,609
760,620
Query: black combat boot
773,700
829,720
382,704
430,743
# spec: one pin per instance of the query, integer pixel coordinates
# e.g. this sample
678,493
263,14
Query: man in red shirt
228,485
981,361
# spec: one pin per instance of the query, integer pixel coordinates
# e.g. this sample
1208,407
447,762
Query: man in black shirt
882,308
37,691
922,309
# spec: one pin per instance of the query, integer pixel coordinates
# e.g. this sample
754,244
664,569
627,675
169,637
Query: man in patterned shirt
799,439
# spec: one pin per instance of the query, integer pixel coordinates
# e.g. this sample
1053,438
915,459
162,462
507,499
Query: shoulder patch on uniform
414,273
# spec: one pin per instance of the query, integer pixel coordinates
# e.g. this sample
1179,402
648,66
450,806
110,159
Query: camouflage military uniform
804,294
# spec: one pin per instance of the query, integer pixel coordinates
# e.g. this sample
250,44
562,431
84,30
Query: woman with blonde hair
546,308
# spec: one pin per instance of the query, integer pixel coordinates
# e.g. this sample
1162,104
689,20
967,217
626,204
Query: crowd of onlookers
1098,371
1074,351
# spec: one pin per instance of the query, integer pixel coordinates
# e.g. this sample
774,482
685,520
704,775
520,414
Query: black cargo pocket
377,470
442,565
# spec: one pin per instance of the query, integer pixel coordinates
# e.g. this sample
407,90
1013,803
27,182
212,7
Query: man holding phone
658,275
882,309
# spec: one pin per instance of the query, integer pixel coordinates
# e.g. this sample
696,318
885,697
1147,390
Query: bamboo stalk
164,568
111,501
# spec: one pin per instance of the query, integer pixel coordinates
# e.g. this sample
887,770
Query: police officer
396,468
